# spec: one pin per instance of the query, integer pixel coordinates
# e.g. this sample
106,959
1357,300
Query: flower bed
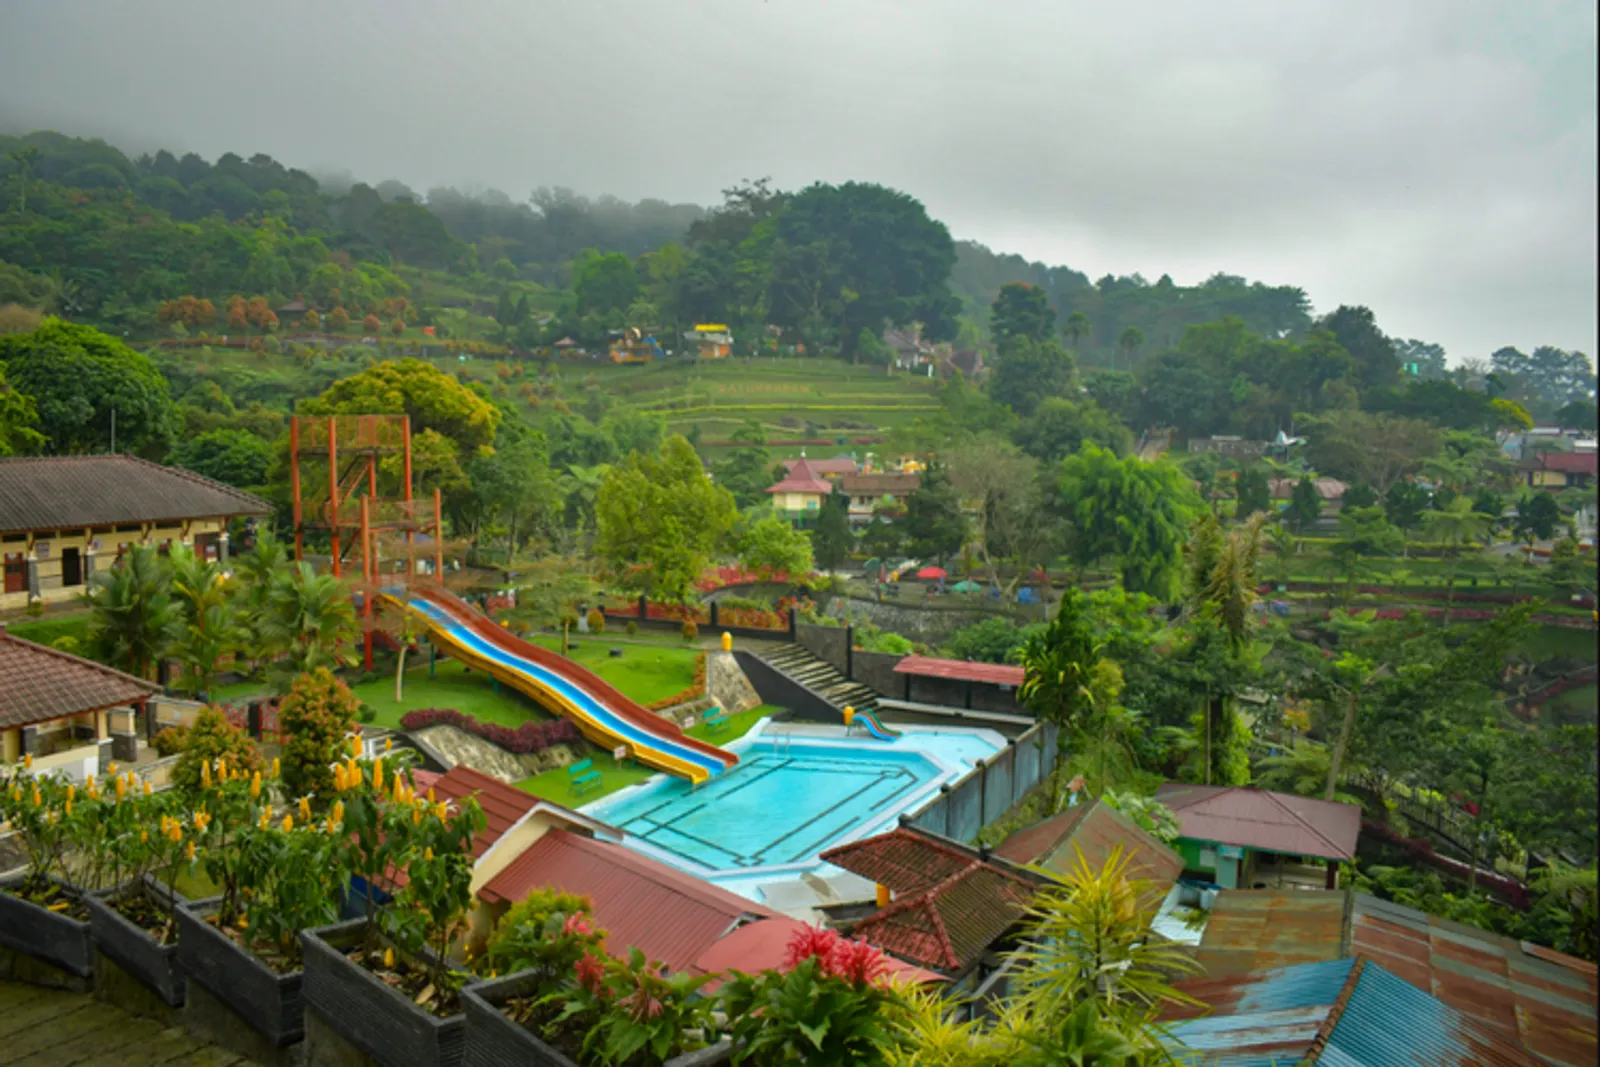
524,739
695,690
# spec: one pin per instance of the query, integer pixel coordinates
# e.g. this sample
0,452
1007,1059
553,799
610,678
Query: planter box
43,934
495,1041
132,948
370,1014
268,1001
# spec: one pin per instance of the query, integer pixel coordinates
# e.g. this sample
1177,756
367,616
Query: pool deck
798,893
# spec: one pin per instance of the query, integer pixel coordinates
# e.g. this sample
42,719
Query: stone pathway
53,1028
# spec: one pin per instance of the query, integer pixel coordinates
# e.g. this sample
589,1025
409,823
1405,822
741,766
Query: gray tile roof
65,492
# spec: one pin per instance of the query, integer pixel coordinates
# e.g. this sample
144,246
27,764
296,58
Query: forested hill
99,236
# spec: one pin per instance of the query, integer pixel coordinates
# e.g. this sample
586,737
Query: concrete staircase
821,678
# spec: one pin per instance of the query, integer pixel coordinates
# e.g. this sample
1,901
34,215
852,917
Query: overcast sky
1432,159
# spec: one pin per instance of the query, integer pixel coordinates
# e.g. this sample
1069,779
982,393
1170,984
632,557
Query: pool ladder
781,740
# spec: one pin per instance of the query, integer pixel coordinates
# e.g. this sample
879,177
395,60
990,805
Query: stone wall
727,685
455,746
831,644
929,625
876,671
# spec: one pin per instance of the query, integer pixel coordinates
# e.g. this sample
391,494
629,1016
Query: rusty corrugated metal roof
1097,829
1345,1013
1260,819
1542,998
671,917
1261,929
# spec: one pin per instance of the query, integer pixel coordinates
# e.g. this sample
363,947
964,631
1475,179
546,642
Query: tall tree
934,524
81,381
1027,371
831,539
1021,311
1376,361
660,520
132,617
1134,511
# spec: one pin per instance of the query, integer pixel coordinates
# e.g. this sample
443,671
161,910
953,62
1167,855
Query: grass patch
556,785
1550,642
453,686
646,673
46,631
1577,704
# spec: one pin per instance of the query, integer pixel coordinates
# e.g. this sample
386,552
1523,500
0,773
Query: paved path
52,1028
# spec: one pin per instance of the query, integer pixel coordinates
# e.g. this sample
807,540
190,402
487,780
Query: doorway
71,566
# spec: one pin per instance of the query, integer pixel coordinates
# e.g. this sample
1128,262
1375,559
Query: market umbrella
966,587
931,573
872,568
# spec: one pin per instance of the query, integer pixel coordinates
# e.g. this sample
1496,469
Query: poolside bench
716,719
583,777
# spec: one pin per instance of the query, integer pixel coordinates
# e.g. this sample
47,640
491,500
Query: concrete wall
876,670
97,548
831,644
775,687
929,625
964,807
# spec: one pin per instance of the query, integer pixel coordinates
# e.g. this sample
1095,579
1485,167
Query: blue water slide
587,706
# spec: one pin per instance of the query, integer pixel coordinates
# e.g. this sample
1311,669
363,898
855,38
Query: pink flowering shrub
529,737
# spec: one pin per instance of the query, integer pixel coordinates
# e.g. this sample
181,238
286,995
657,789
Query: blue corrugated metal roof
1378,1020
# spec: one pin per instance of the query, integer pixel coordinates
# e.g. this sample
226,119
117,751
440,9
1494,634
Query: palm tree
133,618
1302,771
197,583
258,571
1455,525
204,643
1076,328
1129,343
311,620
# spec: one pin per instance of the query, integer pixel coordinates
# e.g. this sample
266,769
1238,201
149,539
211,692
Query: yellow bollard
727,641
849,715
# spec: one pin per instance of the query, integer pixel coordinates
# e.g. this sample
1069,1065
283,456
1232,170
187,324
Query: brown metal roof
1096,830
38,684
879,484
670,916
1270,822
961,670
952,902
69,492
836,465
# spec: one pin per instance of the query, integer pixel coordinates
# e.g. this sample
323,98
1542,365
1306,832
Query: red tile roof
960,670
1096,829
952,903
670,916
38,684
802,478
761,946
1271,822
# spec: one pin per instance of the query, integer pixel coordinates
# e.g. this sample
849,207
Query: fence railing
964,807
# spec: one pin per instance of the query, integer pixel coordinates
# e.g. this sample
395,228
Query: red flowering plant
831,1002
634,1012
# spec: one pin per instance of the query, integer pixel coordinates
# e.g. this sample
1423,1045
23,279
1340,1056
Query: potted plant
42,911
385,982
566,1003
277,877
134,922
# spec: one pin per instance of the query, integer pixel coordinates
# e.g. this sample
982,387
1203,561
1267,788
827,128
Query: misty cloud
1433,160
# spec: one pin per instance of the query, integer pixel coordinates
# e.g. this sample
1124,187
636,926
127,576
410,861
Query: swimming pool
788,799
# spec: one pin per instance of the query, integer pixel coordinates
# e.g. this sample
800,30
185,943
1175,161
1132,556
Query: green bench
716,719
583,777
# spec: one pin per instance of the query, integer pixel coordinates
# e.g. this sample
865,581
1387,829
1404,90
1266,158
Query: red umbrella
931,573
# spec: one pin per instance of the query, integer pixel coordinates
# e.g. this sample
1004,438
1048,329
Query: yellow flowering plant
38,809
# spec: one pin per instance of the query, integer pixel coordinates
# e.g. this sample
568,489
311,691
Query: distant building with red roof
1226,831
828,469
950,905
1560,470
800,494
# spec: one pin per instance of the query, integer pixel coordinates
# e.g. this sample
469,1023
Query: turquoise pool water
787,800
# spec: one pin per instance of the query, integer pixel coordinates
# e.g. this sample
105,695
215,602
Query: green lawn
646,673
46,631
556,785
452,686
